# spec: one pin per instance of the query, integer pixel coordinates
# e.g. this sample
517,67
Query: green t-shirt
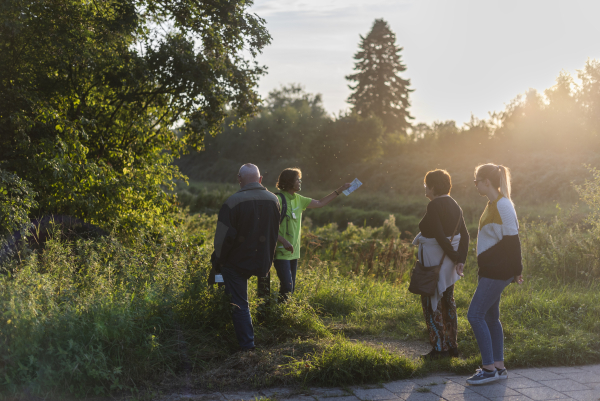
291,225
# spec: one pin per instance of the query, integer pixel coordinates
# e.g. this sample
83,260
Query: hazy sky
462,56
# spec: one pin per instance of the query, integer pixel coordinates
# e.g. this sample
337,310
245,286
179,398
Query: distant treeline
545,138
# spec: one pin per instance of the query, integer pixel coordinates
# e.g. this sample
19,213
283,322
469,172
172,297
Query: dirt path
409,349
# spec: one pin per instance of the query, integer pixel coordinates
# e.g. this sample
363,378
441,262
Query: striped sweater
498,244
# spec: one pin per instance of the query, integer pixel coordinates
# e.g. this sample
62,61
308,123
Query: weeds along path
127,315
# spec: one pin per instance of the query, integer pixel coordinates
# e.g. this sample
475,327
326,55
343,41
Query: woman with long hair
443,232
499,261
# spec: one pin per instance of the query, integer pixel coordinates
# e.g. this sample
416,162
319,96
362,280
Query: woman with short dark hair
287,252
442,218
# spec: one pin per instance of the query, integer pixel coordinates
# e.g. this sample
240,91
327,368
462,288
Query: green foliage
366,304
346,363
347,140
564,316
92,92
564,249
360,251
16,200
292,129
379,90
344,215
589,192
290,124
561,249
203,199
103,315
107,315
545,138
96,316
564,118
291,320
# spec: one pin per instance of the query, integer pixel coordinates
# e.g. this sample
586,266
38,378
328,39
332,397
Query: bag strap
453,234
283,206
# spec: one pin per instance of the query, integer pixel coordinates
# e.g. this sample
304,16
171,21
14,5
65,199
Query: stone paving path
580,383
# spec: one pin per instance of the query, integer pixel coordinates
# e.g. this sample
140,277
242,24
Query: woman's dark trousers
286,272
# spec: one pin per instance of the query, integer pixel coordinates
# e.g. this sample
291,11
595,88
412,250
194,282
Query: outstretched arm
315,204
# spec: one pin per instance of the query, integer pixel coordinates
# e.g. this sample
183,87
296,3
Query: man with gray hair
245,243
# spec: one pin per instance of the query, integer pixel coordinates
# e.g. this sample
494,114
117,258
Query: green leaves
93,92
16,200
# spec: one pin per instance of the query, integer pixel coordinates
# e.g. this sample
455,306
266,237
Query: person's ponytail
504,181
498,175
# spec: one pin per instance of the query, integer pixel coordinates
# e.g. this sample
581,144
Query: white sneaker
502,374
482,377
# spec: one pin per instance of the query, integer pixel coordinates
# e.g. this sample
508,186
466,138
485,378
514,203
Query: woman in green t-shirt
287,252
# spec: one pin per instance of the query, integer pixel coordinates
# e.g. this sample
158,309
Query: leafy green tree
288,122
92,91
282,135
588,95
379,90
349,140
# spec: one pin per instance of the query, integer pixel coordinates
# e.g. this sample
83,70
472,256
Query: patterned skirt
441,324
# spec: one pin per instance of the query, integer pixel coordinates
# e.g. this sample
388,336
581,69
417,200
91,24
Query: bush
107,314
91,316
16,200
560,250
342,216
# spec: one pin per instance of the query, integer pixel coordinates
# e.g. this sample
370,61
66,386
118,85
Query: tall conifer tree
379,89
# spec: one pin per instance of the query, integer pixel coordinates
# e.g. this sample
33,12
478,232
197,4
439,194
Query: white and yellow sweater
498,244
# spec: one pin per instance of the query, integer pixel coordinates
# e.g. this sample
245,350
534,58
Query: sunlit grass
110,314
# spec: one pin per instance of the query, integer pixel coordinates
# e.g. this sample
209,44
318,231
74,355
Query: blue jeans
286,271
236,285
484,316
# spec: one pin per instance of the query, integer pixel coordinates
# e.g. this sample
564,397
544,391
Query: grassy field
136,315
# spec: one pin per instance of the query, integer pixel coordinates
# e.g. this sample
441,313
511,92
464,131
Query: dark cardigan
439,222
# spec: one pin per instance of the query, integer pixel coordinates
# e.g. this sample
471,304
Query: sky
463,57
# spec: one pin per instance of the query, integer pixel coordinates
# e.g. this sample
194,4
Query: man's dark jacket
247,231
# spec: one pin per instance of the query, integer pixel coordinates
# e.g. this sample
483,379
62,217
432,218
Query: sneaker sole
503,377
483,381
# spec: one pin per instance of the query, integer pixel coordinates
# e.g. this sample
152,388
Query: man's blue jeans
484,316
236,285
286,271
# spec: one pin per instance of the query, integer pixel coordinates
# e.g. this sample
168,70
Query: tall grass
96,316
361,251
546,323
119,314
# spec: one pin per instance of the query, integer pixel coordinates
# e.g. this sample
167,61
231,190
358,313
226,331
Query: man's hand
288,246
518,279
460,268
